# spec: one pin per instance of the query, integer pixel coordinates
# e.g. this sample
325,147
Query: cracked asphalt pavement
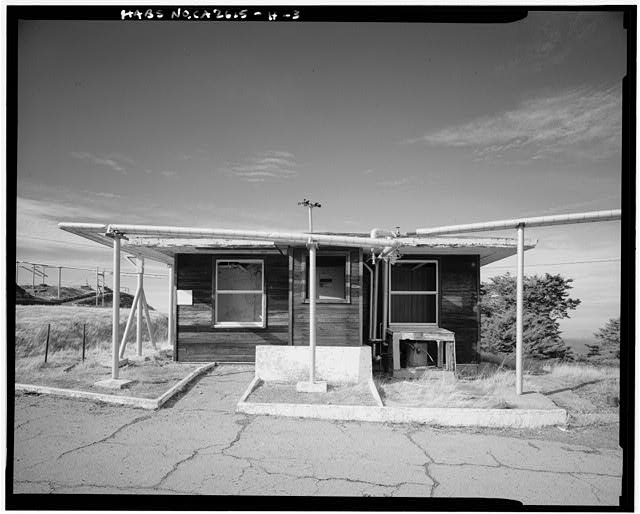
197,444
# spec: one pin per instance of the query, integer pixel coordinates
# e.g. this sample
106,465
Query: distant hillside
69,295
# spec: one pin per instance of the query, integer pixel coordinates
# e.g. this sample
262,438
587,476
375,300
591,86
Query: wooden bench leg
396,351
439,364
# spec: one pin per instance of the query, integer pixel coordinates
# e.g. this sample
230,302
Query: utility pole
312,386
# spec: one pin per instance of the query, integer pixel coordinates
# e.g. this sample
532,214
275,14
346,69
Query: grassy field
152,375
66,329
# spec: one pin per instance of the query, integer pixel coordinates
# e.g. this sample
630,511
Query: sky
415,125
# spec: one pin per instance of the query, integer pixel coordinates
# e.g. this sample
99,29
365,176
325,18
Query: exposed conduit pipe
375,299
538,221
295,237
370,299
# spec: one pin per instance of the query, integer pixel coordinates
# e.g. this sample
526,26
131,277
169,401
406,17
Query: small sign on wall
184,297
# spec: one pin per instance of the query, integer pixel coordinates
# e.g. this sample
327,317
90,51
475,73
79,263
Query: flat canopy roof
163,243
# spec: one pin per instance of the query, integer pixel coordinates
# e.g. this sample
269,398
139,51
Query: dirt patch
152,376
273,392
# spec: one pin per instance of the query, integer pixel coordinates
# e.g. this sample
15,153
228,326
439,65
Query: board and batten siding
198,340
459,303
337,324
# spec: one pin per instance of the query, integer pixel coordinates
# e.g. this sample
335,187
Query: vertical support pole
170,317
376,281
115,340
46,345
33,278
59,280
44,275
519,302
17,270
385,299
97,284
84,338
312,310
102,291
140,270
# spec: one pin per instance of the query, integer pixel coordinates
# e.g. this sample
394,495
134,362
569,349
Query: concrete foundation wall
334,364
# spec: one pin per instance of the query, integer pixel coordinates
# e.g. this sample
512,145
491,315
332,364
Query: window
239,296
332,278
413,293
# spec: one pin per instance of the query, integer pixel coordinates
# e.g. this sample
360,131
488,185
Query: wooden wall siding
198,340
337,324
459,303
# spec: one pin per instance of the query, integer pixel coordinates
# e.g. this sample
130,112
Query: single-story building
236,289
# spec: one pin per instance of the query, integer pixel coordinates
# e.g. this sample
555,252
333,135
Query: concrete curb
453,417
140,403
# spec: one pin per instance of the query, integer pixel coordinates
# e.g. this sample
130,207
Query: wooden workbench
422,333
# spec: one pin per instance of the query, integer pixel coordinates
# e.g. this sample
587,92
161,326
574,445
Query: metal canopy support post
116,306
138,305
59,280
170,317
97,285
312,310
519,308
385,310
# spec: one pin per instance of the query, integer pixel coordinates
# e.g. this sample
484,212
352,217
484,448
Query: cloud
396,182
582,120
109,161
271,165
169,174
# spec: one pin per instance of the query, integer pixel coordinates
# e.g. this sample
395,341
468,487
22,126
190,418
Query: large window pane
330,277
413,276
239,307
239,276
413,308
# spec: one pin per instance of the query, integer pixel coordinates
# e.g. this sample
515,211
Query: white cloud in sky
109,161
584,120
270,165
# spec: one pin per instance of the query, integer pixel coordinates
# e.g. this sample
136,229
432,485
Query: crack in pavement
590,451
514,468
430,460
175,466
110,436
328,479
594,489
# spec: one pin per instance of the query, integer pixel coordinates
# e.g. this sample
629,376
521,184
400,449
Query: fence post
84,334
46,347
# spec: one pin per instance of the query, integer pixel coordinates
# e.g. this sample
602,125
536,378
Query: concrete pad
114,383
131,401
311,387
530,418
334,364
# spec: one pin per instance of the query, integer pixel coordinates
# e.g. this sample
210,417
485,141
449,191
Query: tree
607,341
546,301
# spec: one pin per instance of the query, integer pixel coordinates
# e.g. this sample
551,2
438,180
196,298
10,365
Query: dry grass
347,394
65,368
581,373
152,376
66,328
488,392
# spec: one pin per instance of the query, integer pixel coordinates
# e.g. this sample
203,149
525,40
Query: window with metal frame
413,292
240,299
